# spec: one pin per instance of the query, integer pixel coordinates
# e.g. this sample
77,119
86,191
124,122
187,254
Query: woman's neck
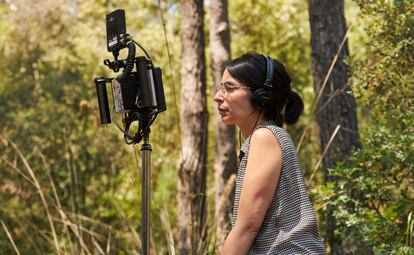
247,127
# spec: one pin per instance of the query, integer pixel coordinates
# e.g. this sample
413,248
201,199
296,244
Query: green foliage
390,57
260,31
48,111
375,192
51,52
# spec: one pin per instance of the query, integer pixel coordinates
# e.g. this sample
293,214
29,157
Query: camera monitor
115,30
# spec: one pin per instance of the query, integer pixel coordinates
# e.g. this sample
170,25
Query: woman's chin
226,120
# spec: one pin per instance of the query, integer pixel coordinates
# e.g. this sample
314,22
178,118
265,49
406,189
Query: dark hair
284,105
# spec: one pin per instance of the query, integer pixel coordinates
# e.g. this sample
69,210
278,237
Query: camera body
139,89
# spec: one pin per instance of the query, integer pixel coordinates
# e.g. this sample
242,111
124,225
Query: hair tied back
293,107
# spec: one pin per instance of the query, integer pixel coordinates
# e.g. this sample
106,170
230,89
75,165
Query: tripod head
138,95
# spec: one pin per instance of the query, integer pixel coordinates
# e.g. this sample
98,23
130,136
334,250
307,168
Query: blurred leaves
52,50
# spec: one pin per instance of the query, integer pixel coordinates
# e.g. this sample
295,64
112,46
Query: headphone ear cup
261,99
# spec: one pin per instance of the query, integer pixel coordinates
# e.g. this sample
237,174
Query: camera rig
137,95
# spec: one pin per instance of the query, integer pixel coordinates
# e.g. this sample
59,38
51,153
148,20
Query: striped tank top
289,226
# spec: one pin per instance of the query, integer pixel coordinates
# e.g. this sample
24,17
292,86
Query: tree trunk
225,163
193,123
337,105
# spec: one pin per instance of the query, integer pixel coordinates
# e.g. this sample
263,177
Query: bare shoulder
264,138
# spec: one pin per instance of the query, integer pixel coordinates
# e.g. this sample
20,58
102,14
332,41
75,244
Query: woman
272,213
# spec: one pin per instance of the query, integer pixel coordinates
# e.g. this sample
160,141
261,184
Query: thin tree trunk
337,105
193,122
225,163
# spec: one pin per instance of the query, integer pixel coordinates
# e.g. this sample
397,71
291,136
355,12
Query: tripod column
146,188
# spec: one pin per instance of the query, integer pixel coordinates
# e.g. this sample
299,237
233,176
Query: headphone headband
269,72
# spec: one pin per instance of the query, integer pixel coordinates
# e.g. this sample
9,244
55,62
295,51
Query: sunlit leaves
376,191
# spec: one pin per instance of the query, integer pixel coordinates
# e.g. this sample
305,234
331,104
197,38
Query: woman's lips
222,111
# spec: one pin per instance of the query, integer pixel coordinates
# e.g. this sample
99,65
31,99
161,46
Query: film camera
138,93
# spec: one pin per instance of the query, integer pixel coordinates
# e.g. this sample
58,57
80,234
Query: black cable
130,61
117,124
143,119
143,129
142,48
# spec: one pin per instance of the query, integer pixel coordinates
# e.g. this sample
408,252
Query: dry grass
69,227
10,237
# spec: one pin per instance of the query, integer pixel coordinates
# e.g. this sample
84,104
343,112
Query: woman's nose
218,97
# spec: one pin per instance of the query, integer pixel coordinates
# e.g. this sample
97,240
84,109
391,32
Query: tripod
146,189
143,133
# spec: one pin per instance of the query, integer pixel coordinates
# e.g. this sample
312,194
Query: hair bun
294,108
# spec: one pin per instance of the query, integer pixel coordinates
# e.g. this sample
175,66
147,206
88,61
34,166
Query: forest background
69,185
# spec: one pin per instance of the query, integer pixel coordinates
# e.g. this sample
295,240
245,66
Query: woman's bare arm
260,181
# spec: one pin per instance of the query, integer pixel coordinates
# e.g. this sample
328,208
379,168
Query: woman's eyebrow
228,83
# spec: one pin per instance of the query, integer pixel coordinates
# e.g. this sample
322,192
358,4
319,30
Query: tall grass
410,230
64,234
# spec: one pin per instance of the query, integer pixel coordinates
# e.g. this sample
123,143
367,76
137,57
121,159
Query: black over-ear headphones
262,97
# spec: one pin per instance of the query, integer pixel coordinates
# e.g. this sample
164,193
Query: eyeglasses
226,88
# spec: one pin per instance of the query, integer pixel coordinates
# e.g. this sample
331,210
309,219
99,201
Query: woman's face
233,100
